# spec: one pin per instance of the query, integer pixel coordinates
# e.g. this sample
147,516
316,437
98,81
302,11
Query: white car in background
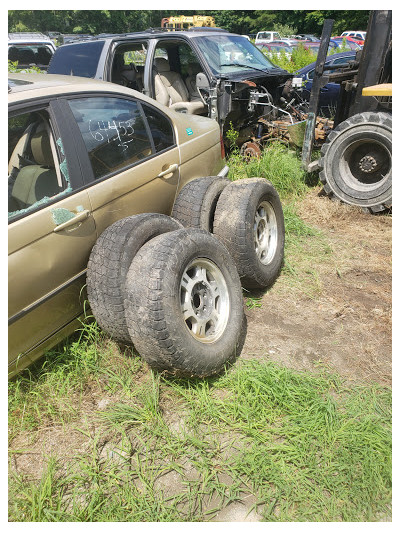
30,49
358,35
267,36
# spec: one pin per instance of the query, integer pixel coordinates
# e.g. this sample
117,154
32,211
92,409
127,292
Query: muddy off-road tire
356,161
249,221
109,263
196,202
184,304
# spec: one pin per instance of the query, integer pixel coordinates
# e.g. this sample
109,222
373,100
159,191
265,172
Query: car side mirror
202,81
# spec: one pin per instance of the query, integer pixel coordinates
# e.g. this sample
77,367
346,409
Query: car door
51,231
132,154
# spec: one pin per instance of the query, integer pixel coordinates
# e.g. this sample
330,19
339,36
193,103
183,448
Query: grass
298,446
96,436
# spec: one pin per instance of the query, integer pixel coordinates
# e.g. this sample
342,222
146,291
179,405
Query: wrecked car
110,190
202,71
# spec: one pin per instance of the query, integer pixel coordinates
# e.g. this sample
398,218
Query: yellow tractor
356,159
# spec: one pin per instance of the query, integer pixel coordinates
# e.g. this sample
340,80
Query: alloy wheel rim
265,232
204,299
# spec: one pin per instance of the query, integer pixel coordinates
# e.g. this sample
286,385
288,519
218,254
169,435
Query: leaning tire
356,161
196,202
249,221
183,305
109,263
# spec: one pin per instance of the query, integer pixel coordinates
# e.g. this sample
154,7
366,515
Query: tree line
236,21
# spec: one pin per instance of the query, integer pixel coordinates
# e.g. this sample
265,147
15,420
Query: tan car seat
35,182
171,90
20,149
193,70
126,75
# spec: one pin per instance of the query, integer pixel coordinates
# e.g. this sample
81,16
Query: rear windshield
30,53
77,60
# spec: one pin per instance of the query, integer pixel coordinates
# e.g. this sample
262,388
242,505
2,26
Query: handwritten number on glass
120,131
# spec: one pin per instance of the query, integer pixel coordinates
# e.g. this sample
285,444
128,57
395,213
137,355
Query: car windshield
231,54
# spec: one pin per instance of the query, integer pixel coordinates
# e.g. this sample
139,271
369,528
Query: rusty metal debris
283,130
250,150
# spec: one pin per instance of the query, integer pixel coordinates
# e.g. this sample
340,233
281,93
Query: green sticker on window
189,131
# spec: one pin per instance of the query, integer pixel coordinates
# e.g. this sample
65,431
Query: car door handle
72,221
168,170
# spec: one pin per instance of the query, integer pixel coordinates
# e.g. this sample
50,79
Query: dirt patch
33,449
347,325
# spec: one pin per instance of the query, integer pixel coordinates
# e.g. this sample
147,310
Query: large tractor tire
356,161
184,304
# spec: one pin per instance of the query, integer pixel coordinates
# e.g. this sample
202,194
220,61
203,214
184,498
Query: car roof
328,59
23,87
338,37
25,37
154,32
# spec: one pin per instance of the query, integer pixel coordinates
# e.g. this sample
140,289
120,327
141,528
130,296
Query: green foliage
301,446
344,20
284,30
279,164
13,67
42,391
300,57
231,137
237,21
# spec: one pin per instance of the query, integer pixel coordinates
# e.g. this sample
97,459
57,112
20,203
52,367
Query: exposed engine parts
284,122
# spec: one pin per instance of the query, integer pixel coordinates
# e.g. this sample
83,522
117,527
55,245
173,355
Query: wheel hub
204,300
265,232
368,164
365,164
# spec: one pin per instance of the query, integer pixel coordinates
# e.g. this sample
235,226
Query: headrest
162,64
129,72
26,56
119,62
41,149
13,54
44,54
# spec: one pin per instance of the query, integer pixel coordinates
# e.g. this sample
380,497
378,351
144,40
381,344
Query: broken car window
34,175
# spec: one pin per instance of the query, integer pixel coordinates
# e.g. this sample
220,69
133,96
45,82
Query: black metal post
318,82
